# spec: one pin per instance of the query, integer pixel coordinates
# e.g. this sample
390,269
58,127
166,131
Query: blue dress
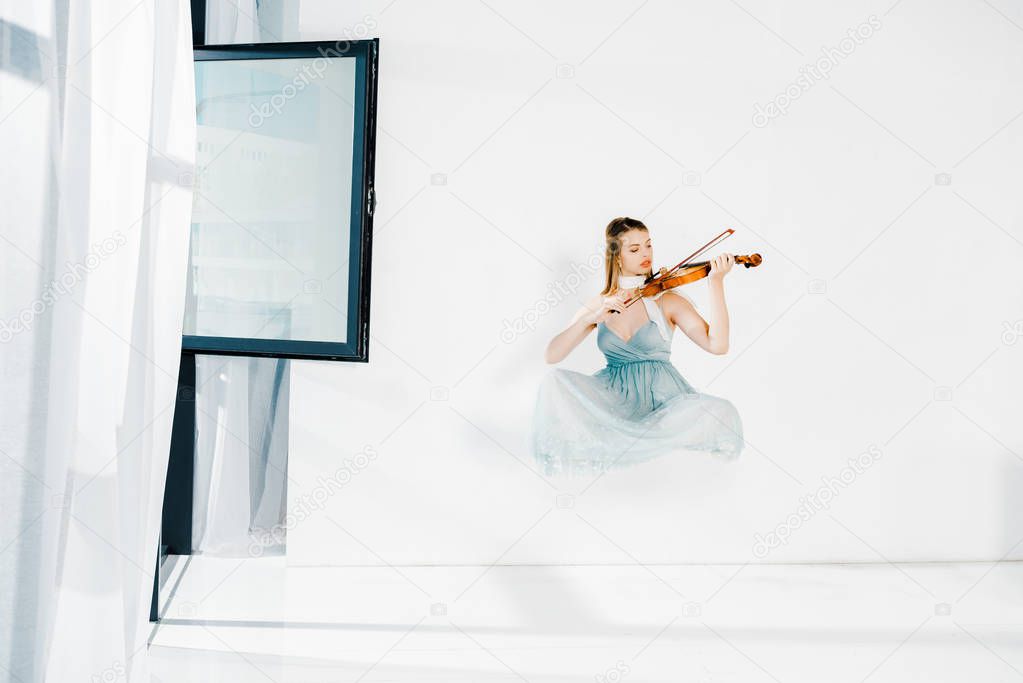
636,408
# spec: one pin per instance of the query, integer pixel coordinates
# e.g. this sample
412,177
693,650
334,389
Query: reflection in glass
271,219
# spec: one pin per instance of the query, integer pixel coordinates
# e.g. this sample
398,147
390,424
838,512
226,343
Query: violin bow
717,240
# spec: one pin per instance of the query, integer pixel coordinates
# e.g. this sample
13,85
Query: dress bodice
645,344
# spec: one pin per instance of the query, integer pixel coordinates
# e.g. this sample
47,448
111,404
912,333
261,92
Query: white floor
257,620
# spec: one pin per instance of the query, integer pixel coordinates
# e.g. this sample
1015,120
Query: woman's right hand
610,305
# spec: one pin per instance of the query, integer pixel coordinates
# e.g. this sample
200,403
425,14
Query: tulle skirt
626,414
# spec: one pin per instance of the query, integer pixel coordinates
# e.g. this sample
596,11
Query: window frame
356,346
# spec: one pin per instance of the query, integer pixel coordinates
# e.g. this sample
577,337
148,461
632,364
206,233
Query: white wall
876,319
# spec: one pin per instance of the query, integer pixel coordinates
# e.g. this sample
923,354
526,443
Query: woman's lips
646,263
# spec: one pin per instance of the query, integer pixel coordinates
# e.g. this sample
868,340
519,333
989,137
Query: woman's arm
711,337
585,319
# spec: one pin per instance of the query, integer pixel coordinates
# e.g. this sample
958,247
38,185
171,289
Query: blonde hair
613,249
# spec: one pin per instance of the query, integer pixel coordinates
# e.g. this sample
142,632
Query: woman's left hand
720,265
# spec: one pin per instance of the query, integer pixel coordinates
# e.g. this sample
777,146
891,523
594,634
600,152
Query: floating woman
639,406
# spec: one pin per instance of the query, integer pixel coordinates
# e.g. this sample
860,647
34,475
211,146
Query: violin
686,272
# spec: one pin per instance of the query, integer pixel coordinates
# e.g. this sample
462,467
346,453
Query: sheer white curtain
241,456
241,403
251,21
97,138
232,21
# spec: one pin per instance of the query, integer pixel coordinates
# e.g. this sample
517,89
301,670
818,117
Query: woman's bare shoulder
674,299
678,309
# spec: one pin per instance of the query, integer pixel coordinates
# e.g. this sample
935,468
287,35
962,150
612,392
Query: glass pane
271,219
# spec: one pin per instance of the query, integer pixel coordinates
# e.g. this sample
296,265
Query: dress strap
653,309
655,313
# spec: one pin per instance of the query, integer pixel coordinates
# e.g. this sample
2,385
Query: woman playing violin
638,406
630,254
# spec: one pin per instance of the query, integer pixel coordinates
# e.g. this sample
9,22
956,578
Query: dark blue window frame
356,346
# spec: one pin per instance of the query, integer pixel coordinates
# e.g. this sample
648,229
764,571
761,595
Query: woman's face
637,253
